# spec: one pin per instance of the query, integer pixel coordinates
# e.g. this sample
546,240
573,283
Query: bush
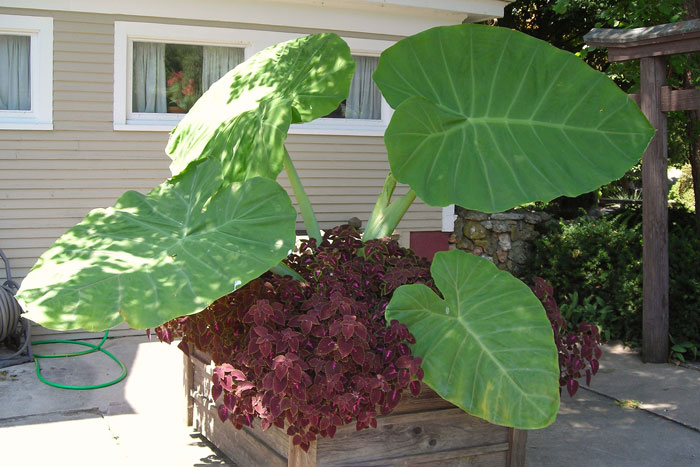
603,258
682,190
595,257
310,357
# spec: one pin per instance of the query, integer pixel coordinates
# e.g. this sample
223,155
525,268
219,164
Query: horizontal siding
49,180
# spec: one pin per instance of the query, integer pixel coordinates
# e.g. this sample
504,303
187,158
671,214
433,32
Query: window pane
364,100
15,78
171,77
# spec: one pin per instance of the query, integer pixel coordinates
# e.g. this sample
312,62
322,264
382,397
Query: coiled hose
11,322
10,312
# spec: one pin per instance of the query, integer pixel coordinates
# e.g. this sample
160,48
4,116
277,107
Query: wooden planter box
421,430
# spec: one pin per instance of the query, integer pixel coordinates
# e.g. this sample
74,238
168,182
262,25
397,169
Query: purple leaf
182,346
279,385
215,392
344,347
223,413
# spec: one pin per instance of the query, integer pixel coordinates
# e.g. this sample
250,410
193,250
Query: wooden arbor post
652,45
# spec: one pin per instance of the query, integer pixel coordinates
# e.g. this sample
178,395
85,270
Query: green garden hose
93,348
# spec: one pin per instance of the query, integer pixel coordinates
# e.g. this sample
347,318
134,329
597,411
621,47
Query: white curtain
217,61
149,78
15,80
364,100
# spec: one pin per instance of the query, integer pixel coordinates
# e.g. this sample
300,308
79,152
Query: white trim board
390,17
448,218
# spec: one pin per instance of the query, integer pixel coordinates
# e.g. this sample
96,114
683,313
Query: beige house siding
49,180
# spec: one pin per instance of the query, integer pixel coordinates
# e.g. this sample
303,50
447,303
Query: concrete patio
139,421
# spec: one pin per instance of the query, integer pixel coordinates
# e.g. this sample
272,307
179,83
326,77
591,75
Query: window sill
296,129
26,126
302,130
165,126
340,127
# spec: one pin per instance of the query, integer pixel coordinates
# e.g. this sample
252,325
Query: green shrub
602,258
682,190
591,309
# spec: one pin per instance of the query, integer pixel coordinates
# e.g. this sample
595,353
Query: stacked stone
505,238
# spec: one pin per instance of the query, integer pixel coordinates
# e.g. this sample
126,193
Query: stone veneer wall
505,238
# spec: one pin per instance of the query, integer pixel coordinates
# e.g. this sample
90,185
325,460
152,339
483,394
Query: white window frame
125,33
40,31
252,41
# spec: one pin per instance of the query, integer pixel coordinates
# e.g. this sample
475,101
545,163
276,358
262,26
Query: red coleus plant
312,356
579,351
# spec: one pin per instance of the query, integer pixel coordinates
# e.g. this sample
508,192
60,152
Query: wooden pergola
652,45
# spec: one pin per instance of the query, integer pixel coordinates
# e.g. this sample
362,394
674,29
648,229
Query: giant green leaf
488,346
242,120
154,257
490,118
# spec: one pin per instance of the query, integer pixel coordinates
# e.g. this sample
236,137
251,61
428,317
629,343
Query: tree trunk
693,130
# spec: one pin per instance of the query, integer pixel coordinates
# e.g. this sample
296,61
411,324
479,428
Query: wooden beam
673,100
517,440
680,46
652,41
679,99
655,216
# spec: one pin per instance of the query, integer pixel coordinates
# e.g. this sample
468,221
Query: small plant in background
591,309
682,350
579,350
628,403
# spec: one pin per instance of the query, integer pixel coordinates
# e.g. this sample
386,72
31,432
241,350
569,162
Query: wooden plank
409,435
296,457
426,400
655,216
679,99
657,34
239,445
517,440
188,383
680,46
494,459
493,455
653,41
675,99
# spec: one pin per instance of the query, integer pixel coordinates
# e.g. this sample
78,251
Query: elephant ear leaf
489,118
242,120
151,258
488,346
